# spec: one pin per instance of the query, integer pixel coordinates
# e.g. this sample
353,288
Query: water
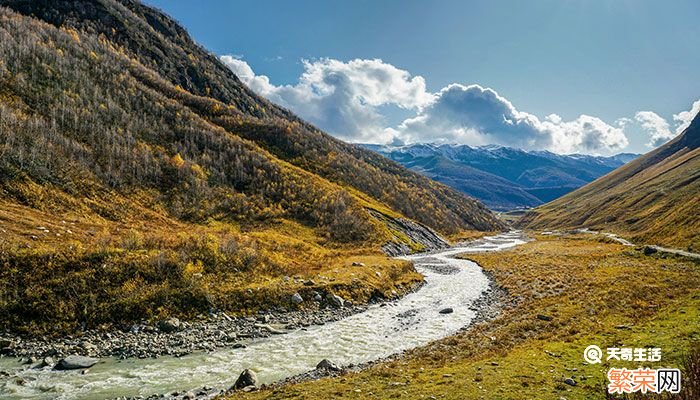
378,332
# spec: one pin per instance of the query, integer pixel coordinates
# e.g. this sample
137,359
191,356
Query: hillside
503,178
160,45
134,162
653,199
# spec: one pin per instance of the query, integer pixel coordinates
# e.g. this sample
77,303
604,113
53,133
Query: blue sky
477,61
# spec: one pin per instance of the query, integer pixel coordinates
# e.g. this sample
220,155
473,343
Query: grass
469,235
596,293
80,271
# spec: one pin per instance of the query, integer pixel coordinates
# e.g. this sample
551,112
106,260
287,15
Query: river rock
447,310
170,325
46,362
245,379
297,299
327,365
336,300
76,362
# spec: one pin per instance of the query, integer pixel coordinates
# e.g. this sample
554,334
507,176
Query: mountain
654,198
503,178
132,158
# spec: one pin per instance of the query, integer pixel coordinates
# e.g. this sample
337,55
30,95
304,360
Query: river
375,333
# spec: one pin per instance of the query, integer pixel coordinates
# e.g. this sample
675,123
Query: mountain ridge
503,177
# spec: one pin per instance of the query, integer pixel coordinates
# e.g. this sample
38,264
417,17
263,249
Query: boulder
447,310
542,317
245,379
648,250
170,325
570,381
297,299
336,300
328,365
76,362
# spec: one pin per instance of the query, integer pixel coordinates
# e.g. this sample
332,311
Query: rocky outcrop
409,236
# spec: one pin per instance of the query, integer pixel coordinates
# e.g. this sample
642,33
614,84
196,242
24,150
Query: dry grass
465,236
596,293
81,271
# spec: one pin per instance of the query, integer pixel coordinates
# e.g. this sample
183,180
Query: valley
175,224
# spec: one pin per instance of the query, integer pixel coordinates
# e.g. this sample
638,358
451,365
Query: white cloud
347,98
476,115
342,97
684,118
258,83
655,126
658,128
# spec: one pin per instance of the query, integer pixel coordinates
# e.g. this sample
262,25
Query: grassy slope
81,271
589,287
654,198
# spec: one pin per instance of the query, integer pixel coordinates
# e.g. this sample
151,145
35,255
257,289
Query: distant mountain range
503,178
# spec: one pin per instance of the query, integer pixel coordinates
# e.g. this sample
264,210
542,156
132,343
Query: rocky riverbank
486,307
177,338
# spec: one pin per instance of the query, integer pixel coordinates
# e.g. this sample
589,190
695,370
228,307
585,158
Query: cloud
658,128
348,100
655,126
258,83
476,115
342,97
684,118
